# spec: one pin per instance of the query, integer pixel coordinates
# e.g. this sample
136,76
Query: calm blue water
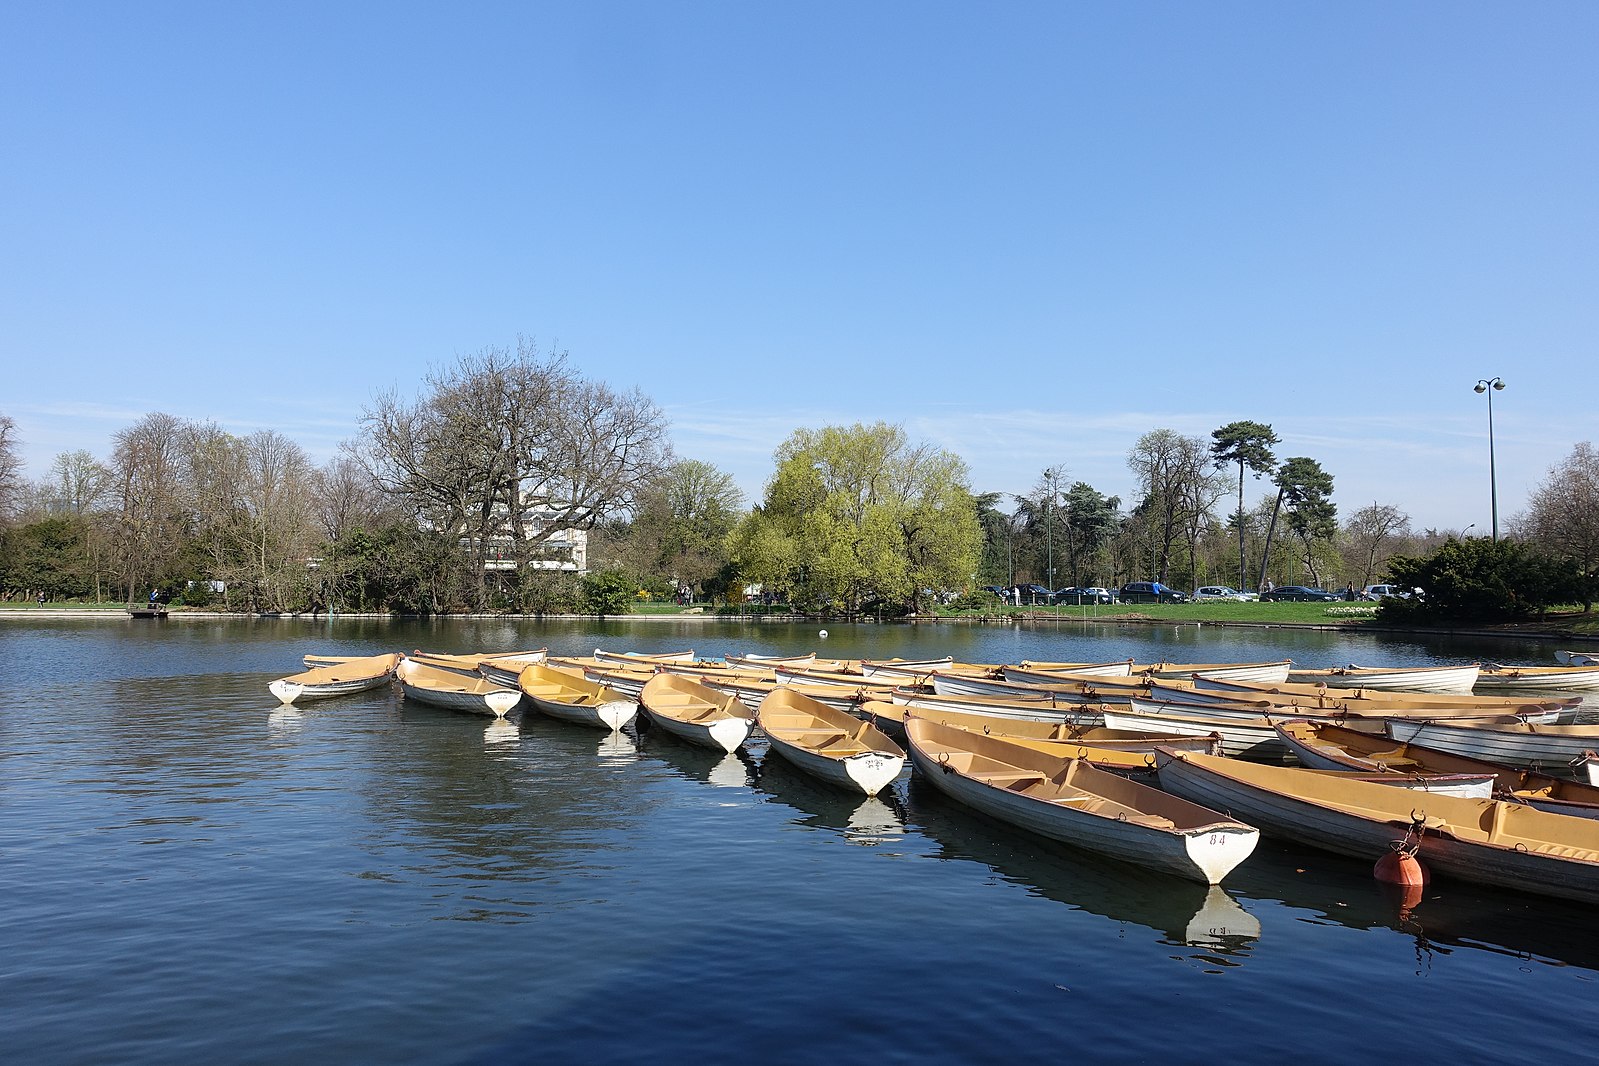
190,874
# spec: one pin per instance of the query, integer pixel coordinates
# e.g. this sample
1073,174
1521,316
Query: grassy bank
1216,611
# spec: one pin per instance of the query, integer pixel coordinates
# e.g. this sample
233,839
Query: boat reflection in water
1185,913
716,768
285,719
864,820
502,731
617,747
1450,916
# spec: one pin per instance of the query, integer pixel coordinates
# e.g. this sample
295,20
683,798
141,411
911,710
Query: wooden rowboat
1066,688
355,674
1329,747
1494,678
696,713
898,671
1070,801
504,669
1246,738
1523,745
1398,678
1119,668
571,697
1114,750
629,680
1245,704
891,718
827,743
637,658
1259,673
1321,699
1486,841
457,692
1030,708
1577,658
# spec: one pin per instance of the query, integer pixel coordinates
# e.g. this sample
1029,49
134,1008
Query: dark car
1301,593
1079,596
1149,592
1030,594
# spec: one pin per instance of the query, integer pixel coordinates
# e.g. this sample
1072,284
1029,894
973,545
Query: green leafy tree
680,527
1091,520
1249,445
1305,487
856,516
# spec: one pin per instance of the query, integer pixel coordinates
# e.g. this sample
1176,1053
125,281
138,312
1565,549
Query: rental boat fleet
1486,772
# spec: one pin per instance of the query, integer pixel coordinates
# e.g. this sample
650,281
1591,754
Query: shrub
1478,580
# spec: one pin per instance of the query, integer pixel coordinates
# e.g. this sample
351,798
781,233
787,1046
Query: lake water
189,873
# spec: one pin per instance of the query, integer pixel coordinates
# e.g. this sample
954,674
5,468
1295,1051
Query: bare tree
1370,536
1563,516
347,497
213,478
510,449
10,469
277,519
147,489
1179,489
81,482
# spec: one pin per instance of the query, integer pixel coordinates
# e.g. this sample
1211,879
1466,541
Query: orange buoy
1400,866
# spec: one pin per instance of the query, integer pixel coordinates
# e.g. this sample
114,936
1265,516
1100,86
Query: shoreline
25,611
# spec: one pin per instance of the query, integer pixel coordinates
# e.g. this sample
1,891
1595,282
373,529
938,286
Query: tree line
513,482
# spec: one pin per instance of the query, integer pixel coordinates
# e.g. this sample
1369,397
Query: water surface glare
191,873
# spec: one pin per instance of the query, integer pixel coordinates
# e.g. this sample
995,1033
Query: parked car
1030,594
1149,592
1301,593
1084,594
1222,592
1383,592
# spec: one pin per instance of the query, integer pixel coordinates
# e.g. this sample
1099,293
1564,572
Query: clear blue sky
1029,232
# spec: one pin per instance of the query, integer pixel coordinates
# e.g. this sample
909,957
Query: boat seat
819,740
1011,779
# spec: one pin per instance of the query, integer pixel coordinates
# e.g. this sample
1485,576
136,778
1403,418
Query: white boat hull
609,715
1547,748
1240,738
1369,837
1535,679
499,702
868,772
723,734
1452,679
1205,855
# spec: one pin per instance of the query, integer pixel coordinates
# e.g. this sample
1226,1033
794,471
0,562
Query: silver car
1222,592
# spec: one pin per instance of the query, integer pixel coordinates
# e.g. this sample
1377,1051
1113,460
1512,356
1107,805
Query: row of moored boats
1486,772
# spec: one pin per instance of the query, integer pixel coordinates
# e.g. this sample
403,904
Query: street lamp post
1491,386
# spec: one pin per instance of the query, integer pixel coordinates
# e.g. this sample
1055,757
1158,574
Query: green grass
1209,611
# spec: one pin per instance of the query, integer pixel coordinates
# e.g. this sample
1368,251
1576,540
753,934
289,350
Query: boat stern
1216,850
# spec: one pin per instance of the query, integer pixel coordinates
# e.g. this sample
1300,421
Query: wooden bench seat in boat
813,738
1016,780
